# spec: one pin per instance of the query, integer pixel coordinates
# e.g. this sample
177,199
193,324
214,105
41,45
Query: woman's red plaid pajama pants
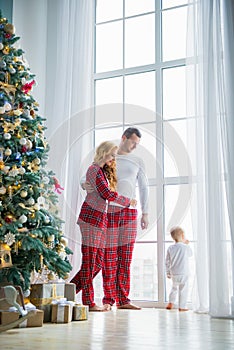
120,239
92,248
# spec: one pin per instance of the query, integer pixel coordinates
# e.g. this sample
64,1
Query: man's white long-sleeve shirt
130,172
177,259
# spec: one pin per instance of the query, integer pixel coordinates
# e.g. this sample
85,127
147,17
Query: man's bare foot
183,309
129,307
97,308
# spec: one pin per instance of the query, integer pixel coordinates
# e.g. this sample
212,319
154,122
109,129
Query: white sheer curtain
68,103
58,35
214,82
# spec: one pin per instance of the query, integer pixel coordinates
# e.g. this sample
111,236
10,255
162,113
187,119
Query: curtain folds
69,99
214,74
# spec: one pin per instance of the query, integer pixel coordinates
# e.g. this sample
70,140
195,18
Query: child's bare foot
169,306
98,308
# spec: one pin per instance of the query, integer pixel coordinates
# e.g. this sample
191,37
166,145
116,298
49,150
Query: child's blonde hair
176,233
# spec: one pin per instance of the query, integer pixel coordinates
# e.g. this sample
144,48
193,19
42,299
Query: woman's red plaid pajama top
93,224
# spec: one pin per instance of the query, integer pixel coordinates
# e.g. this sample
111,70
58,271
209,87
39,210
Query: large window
140,79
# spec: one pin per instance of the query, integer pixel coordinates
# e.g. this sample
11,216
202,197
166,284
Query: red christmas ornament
24,149
7,35
57,186
8,219
27,87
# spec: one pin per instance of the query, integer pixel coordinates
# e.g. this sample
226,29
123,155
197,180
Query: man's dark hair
130,131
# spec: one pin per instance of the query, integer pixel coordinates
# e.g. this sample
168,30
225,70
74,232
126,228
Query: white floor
127,329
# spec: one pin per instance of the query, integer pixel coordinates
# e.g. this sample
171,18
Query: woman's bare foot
108,307
98,308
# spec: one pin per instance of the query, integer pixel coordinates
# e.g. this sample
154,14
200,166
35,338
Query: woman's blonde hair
104,149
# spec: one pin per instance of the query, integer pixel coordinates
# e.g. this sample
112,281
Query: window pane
178,208
108,134
151,233
144,278
109,92
109,49
179,148
140,91
147,148
107,10
139,41
135,7
174,93
172,3
174,24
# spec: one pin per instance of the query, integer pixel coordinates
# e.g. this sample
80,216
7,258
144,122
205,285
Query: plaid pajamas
120,239
93,223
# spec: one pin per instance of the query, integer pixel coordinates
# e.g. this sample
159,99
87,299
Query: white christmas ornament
6,136
23,141
2,110
9,238
7,106
31,201
21,170
23,218
2,190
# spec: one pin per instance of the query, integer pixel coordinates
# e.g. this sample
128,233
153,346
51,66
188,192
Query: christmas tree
31,237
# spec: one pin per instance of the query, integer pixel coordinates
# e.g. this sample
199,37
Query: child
177,268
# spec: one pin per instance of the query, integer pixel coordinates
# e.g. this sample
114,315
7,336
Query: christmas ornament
23,218
9,28
2,190
6,136
5,256
8,152
9,238
23,194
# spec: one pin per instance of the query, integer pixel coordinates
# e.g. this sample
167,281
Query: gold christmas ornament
5,256
51,276
23,194
9,28
6,50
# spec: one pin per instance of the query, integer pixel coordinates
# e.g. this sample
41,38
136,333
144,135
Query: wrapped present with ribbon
80,312
7,317
62,311
42,295
70,291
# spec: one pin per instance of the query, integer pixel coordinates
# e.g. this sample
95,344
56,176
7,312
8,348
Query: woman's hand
133,202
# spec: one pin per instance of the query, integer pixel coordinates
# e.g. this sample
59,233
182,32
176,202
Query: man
122,223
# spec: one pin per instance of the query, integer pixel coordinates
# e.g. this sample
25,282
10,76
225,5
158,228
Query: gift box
36,320
45,293
70,291
33,321
62,311
42,295
7,317
80,312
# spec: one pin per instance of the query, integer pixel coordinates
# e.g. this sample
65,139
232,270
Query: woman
93,222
